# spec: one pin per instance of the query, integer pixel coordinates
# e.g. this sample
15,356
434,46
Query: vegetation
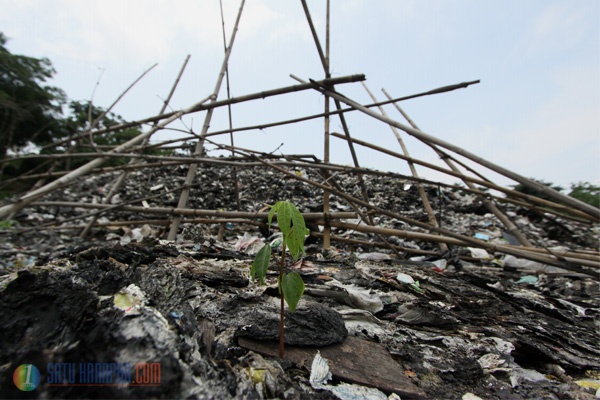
586,192
28,106
291,286
32,112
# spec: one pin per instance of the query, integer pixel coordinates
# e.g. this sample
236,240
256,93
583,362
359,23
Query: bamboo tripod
172,218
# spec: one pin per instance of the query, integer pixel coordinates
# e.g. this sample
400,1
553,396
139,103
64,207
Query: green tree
30,111
81,115
586,192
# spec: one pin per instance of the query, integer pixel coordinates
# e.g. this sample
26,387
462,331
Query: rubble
411,327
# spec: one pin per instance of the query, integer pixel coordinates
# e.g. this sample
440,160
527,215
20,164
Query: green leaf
292,286
292,225
261,264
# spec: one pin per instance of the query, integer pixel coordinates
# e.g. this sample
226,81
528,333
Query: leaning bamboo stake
200,144
234,176
510,226
123,175
426,204
487,184
515,251
471,241
577,204
311,216
325,63
84,169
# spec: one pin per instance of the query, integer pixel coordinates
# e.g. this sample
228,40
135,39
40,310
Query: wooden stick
572,202
201,106
510,226
468,178
183,198
426,204
123,175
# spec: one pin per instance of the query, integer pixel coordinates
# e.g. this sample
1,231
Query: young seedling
291,286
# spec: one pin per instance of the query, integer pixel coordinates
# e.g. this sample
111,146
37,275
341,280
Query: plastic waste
482,236
358,297
528,279
408,280
248,244
374,256
479,254
130,299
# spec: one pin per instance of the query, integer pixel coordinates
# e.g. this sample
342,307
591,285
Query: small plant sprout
291,286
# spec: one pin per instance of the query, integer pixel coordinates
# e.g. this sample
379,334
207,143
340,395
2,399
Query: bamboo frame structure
171,218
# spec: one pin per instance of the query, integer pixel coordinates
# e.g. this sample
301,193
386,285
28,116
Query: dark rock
315,325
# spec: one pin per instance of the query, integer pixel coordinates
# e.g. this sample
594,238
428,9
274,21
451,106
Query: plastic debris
528,279
249,244
479,254
375,256
130,299
482,236
408,280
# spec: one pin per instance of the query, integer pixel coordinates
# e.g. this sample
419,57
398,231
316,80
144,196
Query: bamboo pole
123,175
312,216
487,184
234,176
574,203
201,106
515,251
471,241
426,204
200,144
510,226
324,57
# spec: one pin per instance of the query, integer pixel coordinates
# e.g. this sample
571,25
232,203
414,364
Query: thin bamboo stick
123,175
515,251
324,57
426,204
194,212
201,106
487,184
572,202
510,226
200,144
471,241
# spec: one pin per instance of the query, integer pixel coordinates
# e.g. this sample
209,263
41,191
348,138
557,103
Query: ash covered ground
419,324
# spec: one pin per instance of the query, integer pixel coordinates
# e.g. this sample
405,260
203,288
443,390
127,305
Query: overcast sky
535,112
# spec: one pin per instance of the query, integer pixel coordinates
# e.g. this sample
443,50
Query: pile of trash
125,313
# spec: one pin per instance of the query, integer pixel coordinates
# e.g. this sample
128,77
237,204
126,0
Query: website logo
26,377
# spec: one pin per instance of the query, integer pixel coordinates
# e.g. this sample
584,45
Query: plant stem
282,309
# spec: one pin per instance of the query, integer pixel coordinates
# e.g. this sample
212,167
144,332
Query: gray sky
535,112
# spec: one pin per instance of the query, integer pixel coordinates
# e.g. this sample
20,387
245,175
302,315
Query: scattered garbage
414,323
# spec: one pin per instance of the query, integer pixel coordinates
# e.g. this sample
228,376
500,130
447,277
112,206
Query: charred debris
414,289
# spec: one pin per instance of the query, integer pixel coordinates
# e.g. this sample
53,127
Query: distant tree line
34,112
